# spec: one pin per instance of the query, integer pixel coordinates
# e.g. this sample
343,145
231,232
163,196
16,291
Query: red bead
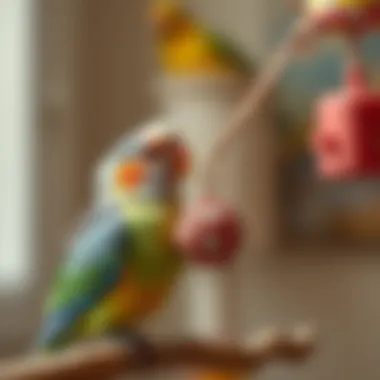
347,136
209,233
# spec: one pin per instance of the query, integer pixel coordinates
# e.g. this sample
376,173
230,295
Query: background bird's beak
164,28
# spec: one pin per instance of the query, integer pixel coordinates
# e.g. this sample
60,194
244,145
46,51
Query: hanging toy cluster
346,140
347,134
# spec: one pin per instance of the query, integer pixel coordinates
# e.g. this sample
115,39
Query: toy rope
256,96
354,60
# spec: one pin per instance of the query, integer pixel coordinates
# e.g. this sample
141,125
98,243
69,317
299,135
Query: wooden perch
107,359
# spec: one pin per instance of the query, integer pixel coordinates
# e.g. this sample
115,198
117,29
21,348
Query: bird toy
346,137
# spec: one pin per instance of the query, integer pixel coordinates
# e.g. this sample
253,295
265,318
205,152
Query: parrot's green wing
226,50
96,262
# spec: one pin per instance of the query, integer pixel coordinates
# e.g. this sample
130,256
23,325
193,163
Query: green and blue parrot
122,262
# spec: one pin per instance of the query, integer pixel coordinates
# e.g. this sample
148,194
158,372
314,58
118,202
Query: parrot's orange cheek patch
130,175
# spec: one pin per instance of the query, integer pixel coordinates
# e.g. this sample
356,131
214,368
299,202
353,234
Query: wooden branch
107,359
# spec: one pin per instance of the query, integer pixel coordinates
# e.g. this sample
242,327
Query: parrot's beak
182,161
175,152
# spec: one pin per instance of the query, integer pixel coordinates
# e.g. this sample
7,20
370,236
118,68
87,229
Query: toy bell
210,233
347,136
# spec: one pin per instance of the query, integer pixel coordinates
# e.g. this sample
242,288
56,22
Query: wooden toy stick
257,94
106,360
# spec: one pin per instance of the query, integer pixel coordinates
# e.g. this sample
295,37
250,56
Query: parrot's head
170,19
158,168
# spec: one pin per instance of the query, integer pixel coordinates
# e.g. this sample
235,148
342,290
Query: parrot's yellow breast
191,54
128,304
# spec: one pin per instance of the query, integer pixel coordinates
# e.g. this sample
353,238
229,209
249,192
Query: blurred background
75,75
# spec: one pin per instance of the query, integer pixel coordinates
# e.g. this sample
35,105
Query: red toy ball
210,233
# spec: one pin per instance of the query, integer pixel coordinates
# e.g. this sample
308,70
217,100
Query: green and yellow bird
122,262
188,48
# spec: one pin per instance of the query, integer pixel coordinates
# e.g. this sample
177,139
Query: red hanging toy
210,233
347,132
347,141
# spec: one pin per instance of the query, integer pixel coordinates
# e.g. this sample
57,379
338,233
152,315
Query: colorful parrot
122,262
188,48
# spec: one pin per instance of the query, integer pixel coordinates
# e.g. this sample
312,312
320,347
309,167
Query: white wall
337,290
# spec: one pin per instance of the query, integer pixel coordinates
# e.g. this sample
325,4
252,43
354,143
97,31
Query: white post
220,303
199,109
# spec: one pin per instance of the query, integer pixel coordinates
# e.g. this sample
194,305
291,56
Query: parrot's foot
133,340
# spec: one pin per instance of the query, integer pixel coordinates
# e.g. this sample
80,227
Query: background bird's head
170,19
156,169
